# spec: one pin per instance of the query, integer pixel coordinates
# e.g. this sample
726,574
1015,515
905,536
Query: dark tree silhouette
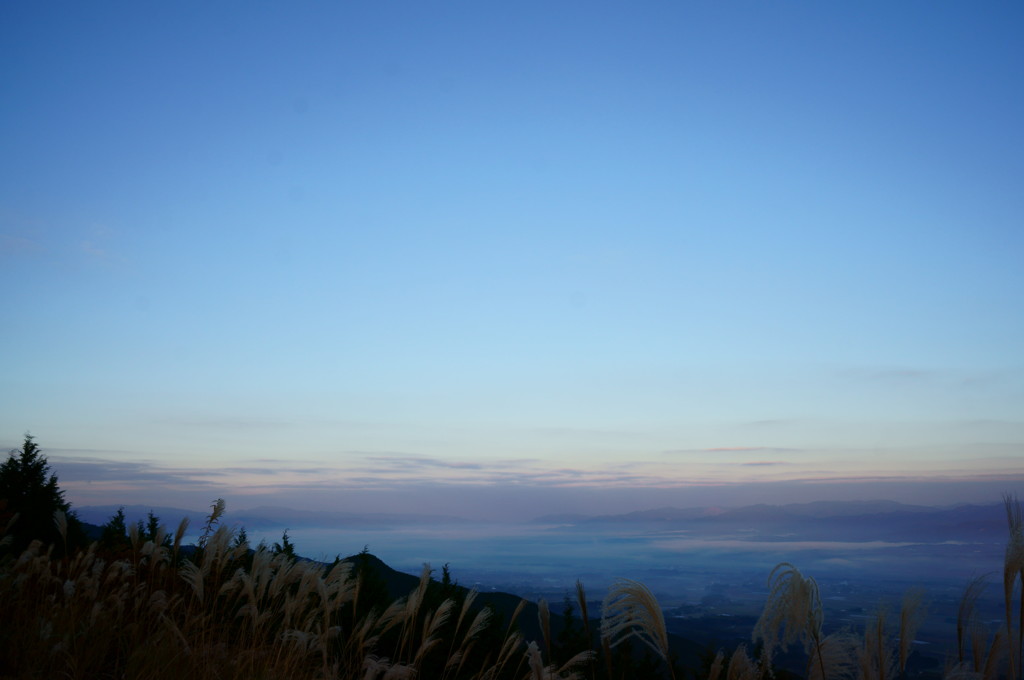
153,527
29,490
241,539
285,547
115,531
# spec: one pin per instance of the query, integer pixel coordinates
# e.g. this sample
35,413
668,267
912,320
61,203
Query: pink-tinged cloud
396,481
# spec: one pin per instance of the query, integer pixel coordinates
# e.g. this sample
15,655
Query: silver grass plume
432,629
983,666
536,663
513,640
911,615
216,512
835,654
716,666
480,622
544,618
467,603
875,659
631,610
538,671
581,598
1013,570
741,666
792,612
179,535
965,616
992,661
193,576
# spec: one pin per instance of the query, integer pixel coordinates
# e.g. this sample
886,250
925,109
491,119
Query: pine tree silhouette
29,490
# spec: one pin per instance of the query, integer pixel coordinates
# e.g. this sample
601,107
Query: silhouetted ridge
820,521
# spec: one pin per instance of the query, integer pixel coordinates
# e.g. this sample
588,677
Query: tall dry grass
224,611
159,609
1013,573
631,610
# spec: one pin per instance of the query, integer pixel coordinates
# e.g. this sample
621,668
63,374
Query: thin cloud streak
276,471
732,449
226,423
404,481
415,469
418,462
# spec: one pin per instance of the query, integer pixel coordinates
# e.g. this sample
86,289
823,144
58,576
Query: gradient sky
505,258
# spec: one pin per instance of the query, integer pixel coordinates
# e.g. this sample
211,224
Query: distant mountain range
264,517
822,520
819,509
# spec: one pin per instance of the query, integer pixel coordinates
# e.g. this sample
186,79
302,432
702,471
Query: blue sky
404,254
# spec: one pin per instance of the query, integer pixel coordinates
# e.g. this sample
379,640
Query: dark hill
688,653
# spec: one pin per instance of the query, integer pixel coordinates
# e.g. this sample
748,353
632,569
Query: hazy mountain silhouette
266,517
817,521
823,520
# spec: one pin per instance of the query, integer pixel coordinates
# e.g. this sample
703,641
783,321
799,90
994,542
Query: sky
501,259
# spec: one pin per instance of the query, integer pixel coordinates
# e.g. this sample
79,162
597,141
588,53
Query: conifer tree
115,531
285,547
29,489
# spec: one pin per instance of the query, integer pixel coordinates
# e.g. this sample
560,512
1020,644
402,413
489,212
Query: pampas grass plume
631,610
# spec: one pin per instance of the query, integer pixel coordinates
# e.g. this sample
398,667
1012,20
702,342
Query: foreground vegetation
139,604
